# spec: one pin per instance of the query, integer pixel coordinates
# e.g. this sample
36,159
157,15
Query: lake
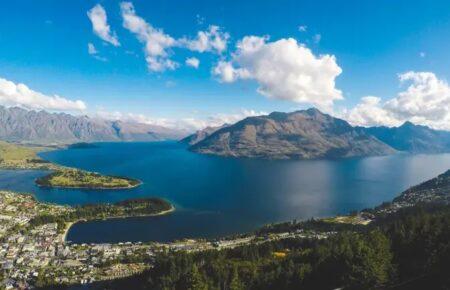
217,196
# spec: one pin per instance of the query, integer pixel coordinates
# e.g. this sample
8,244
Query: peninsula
13,156
75,178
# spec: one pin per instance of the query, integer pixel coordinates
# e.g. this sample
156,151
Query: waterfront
219,196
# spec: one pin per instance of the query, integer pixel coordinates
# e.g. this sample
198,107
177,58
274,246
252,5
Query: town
34,254
39,255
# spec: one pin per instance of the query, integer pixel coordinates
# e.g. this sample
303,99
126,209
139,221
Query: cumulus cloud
158,44
155,40
212,40
12,94
100,26
425,101
217,120
283,69
369,112
192,62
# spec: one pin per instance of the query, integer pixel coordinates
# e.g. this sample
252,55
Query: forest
406,250
126,208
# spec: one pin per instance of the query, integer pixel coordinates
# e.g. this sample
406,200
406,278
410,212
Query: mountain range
303,134
310,134
41,127
412,138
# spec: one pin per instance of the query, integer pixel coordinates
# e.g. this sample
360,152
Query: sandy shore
172,208
66,231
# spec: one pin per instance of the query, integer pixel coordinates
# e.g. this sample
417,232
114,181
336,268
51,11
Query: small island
75,178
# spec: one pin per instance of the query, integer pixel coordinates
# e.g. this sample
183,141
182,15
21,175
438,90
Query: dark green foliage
132,207
312,224
401,251
36,160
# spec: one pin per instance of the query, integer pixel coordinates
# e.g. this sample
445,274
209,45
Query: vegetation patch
127,208
74,178
348,219
407,250
13,156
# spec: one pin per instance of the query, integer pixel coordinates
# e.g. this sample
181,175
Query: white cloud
94,53
100,26
188,124
158,44
91,49
370,113
218,119
284,69
156,41
228,74
192,62
12,94
302,28
425,101
212,40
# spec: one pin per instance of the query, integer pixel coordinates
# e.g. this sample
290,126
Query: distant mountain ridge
412,138
303,134
199,135
41,127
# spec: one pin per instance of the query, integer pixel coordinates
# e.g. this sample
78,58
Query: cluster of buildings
38,255
413,196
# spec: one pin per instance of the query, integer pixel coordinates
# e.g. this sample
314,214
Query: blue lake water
217,196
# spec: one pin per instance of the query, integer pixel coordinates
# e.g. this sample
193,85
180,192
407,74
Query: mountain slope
301,135
412,138
201,134
19,125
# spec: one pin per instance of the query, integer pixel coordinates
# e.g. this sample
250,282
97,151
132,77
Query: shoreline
90,188
70,224
46,165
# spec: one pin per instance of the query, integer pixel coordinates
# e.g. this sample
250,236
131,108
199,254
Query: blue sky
43,44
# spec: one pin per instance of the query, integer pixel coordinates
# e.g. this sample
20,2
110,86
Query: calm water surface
219,196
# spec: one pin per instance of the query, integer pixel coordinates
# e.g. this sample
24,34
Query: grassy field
12,152
14,156
354,220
